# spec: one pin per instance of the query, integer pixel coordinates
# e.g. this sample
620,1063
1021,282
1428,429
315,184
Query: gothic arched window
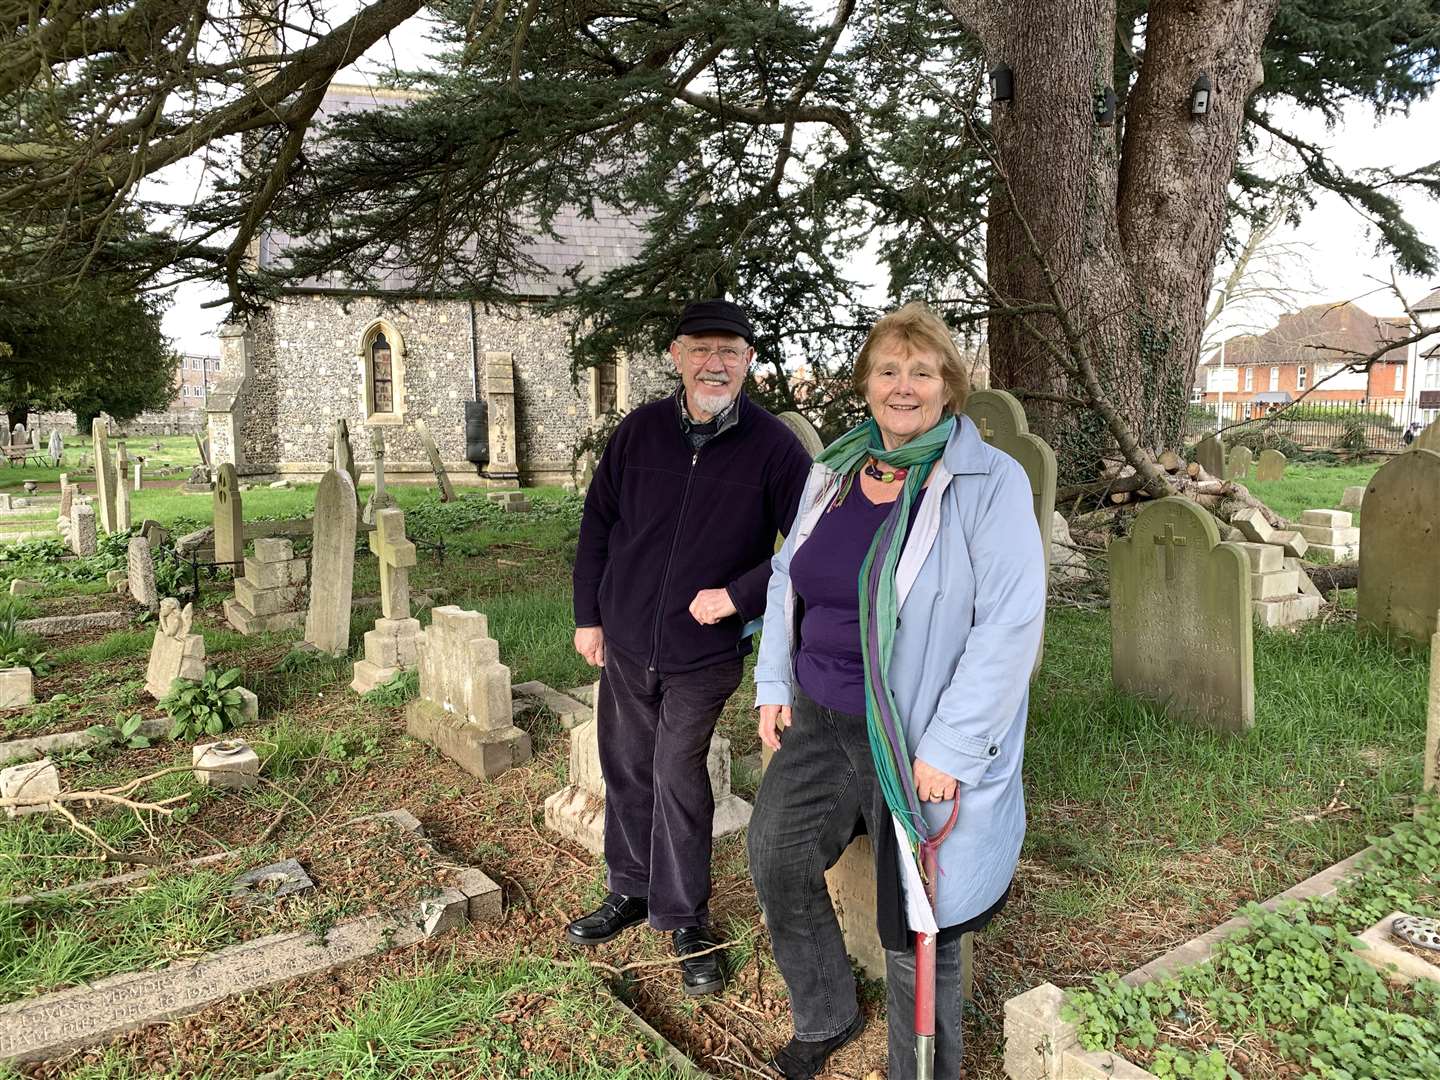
382,375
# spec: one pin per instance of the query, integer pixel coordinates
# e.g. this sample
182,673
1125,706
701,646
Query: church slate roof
595,244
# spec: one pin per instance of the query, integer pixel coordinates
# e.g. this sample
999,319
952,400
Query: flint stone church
493,385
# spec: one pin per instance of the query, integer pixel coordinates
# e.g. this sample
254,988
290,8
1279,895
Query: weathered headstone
270,595
229,519
67,500
139,477
175,653
344,455
332,565
391,647
464,708
17,687
1330,534
1270,466
577,811
503,468
29,788
1432,721
228,765
104,476
1180,616
122,463
1000,419
57,447
1429,439
140,573
1353,497
203,447
514,501
447,492
154,532
1400,557
83,540
380,499
804,431
1210,453
122,503
25,587
1237,466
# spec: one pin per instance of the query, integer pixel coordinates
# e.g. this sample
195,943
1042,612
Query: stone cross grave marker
503,468
268,597
1001,421
380,499
464,708
122,500
1180,614
1238,465
1400,554
83,540
140,573
442,478
1271,465
332,565
1210,453
228,519
804,431
175,653
104,476
391,647
345,455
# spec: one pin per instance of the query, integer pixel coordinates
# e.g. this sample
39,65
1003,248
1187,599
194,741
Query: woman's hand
772,719
932,785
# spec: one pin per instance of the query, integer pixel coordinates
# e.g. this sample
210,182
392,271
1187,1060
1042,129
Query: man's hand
712,605
932,785
772,719
590,643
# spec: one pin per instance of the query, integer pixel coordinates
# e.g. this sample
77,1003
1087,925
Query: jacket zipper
669,559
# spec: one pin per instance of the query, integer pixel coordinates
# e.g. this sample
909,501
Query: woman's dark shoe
614,915
801,1060
701,974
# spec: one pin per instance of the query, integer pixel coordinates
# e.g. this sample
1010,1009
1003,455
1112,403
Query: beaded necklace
888,476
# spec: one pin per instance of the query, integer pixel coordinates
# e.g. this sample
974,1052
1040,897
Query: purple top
826,575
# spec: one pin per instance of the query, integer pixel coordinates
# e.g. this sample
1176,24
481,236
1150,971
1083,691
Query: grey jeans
816,791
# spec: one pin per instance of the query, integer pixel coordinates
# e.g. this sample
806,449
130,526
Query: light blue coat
971,589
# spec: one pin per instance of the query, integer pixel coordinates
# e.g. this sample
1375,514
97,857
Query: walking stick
925,956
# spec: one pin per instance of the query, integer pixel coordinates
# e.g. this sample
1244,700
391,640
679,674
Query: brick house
1305,351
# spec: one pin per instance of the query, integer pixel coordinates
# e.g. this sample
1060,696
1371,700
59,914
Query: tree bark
1128,218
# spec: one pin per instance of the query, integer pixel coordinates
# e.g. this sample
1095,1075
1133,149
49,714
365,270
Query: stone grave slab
804,431
393,645
1330,534
29,788
569,710
228,519
1400,558
1210,453
140,573
175,653
515,501
1181,618
332,565
42,745
1000,419
464,709
1294,544
23,587
1237,465
229,765
442,478
1270,465
270,595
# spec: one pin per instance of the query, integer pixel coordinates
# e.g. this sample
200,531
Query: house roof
1313,335
590,244
1430,303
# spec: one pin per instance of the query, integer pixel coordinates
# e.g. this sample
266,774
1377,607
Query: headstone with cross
390,648
228,519
1180,616
380,499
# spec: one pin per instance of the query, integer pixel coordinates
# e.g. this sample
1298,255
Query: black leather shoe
614,915
800,1060
702,974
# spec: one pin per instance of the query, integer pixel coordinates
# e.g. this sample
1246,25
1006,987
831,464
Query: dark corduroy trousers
654,734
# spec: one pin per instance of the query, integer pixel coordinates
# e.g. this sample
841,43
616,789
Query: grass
1312,486
177,450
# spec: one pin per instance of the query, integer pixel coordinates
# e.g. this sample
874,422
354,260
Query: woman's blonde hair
917,329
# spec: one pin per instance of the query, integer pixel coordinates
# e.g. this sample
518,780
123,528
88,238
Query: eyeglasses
701,354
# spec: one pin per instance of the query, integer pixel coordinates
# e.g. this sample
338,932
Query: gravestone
332,565
175,653
202,446
1277,596
1270,466
19,437
464,708
17,687
122,503
1000,419
1330,533
1180,616
1432,721
122,464
270,595
391,647
380,499
228,519
514,501
1400,557
139,469
577,811
228,765
1429,439
67,500
29,788
104,476
83,540
140,573
344,455
804,431
57,447
503,469
1237,466
442,478
1353,497
1210,453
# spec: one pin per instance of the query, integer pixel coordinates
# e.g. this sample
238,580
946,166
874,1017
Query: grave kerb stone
17,687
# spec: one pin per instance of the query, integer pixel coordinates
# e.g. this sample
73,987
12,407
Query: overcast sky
1340,260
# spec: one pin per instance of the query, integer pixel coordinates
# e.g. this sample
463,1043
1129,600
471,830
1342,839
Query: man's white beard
711,401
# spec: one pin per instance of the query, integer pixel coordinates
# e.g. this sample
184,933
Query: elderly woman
908,598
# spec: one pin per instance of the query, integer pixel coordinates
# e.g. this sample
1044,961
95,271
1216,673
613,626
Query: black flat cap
715,317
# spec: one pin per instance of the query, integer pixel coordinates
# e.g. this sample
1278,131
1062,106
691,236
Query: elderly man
673,561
